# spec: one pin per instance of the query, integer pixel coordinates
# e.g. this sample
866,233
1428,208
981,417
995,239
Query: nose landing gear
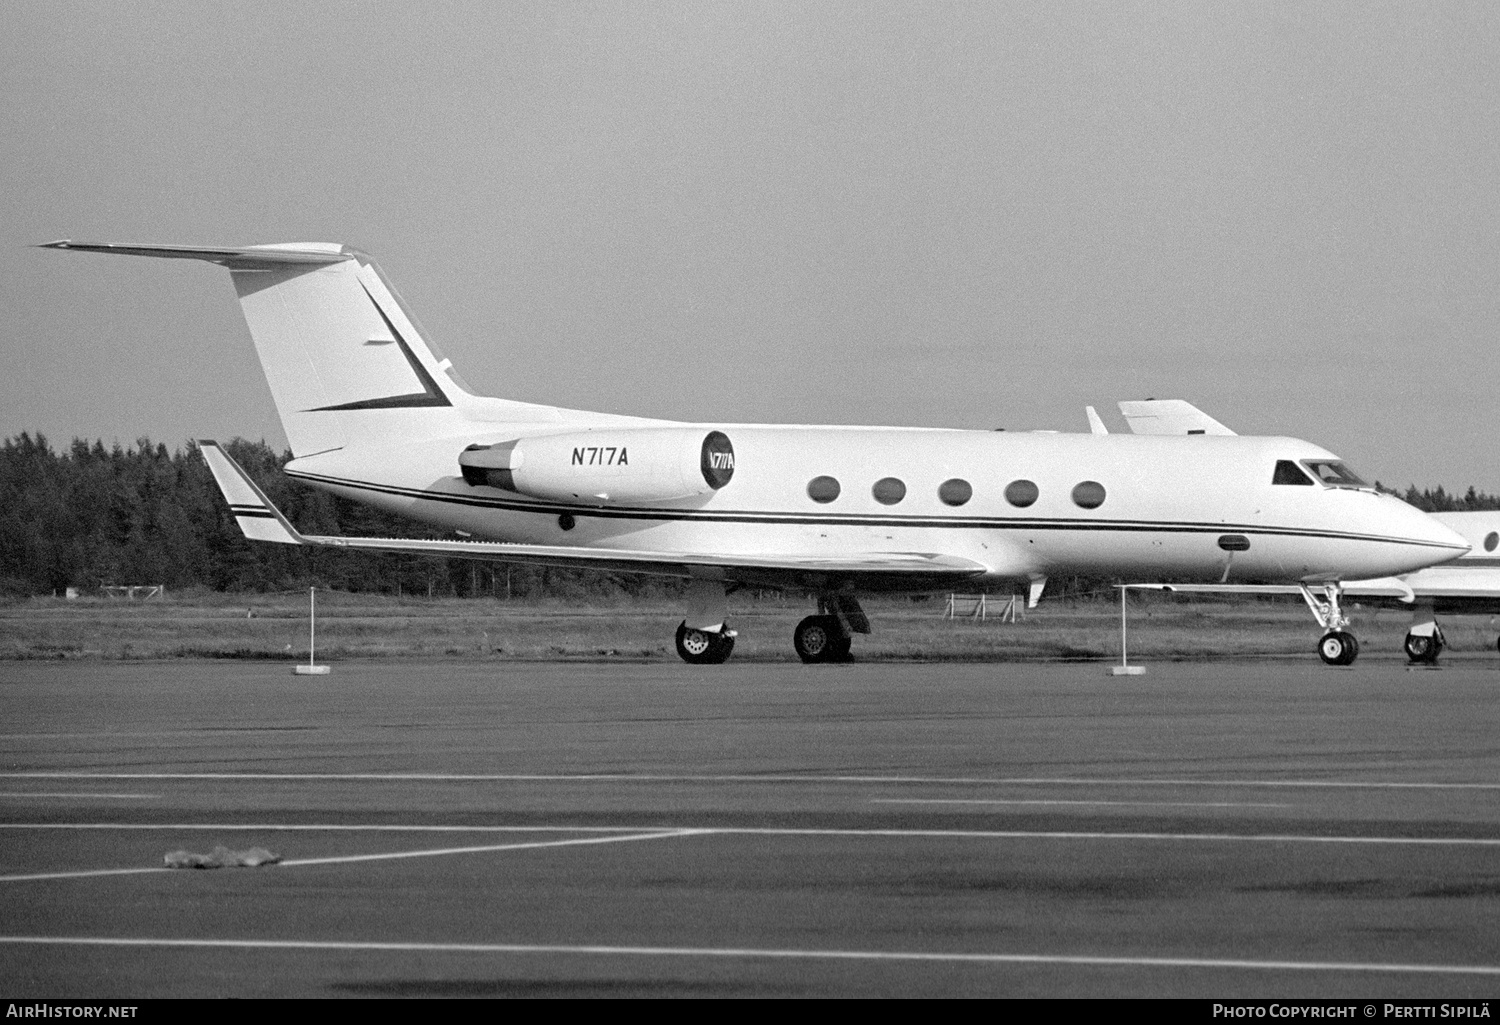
1337,647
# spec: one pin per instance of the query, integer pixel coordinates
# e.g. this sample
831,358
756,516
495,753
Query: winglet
1096,425
253,511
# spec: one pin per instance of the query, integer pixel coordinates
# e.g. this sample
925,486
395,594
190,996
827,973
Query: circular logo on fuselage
717,460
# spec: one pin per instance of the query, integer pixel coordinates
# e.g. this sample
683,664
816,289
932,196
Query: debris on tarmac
223,857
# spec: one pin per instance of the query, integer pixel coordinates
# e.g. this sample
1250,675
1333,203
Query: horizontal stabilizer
1169,416
262,521
237,258
253,511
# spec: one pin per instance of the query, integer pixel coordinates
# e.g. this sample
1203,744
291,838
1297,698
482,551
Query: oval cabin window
888,491
823,489
1021,493
955,491
1491,540
1088,495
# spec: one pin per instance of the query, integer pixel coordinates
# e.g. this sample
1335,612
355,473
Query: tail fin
332,338
1169,416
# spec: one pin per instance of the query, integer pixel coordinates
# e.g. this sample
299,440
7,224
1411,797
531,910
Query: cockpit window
1335,475
1287,472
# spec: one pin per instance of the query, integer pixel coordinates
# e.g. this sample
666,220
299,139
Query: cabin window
823,489
1288,472
1021,493
1088,495
955,491
1334,474
888,491
566,521
1234,542
1491,540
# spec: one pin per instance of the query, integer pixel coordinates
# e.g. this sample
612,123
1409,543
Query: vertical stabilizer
341,355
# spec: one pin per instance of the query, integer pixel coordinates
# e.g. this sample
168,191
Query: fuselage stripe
946,522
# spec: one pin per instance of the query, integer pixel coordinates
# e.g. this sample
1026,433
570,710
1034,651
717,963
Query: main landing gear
822,639
704,647
1337,646
703,638
828,636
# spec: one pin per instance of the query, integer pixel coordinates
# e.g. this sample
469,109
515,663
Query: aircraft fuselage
1023,505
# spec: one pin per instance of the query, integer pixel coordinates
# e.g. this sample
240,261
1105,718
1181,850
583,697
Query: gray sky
941,215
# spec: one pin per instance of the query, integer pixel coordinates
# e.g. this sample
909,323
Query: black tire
725,646
1338,648
818,639
842,649
1423,649
703,647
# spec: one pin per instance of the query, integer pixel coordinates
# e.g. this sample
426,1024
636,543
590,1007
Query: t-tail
342,355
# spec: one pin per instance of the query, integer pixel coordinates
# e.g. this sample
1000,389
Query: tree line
93,516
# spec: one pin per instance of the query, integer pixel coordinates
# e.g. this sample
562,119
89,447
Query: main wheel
1423,647
1338,648
842,648
819,639
703,647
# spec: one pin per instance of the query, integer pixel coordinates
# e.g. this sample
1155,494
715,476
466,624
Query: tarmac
447,828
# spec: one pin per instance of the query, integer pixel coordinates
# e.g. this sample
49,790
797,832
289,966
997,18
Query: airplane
1469,584
374,412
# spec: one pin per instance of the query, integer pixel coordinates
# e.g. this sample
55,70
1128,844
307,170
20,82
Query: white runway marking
83,874
112,797
608,777
1081,960
335,827
1120,804
657,835
978,834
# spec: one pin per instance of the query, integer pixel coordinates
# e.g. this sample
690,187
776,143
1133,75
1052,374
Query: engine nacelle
651,464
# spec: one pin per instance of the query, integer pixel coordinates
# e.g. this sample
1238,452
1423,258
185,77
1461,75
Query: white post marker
1124,668
312,668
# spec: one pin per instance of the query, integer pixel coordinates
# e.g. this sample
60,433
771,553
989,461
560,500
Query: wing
260,520
1169,416
1385,587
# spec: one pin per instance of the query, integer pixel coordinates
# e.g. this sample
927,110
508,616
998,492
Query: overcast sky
975,215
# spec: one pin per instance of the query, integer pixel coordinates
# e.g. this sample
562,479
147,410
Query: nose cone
1419,539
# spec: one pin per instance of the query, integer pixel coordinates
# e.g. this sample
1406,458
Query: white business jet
373,412
1468,584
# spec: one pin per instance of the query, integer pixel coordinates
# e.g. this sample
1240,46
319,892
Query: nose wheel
1338,648
704,647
